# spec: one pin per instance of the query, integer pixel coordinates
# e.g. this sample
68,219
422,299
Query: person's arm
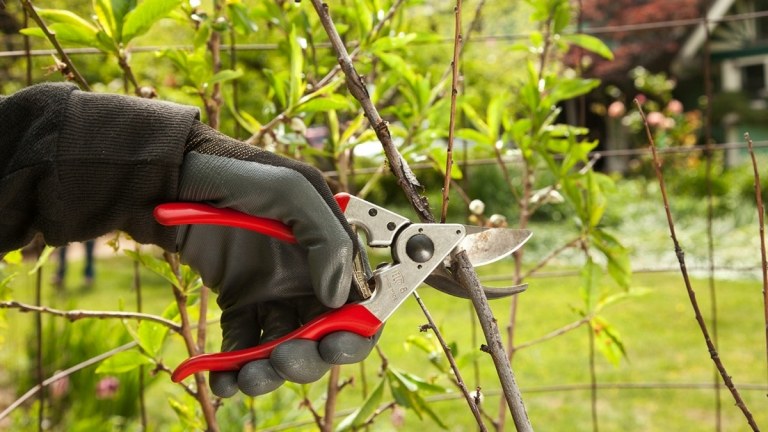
76,165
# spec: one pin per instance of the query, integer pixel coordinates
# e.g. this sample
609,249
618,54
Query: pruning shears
420,253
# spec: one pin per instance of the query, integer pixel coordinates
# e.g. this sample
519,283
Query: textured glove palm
267,287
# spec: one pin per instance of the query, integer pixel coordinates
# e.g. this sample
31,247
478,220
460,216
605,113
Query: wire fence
715,384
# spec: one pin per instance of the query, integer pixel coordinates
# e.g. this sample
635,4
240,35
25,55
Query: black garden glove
267,287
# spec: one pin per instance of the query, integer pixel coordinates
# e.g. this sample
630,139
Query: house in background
738,59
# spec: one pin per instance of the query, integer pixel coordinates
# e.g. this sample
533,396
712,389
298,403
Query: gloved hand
267,287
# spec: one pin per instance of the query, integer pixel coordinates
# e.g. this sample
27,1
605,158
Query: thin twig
452,121
39,339
454,367
550,257
327,80
74,315
555,333
63,374
139,308
592,379
691,294
761,222
331,398
52,38
201,392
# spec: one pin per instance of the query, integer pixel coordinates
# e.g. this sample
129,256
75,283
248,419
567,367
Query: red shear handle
185,213
354,318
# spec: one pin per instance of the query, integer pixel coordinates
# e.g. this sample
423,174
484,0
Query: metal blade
487,245
442,280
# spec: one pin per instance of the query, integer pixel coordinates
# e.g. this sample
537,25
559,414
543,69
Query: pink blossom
616,109
398,416
655,118
675,107
107,387
60,387
641,99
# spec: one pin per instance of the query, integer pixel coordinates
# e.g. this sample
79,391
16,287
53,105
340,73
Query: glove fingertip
223,384
258,377
345,347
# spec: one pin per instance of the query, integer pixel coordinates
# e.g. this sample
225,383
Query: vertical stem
201,320
761,222
689,289
201,391
235,86
39,336
213,104
27,50
452,122
592,378
331,397
710,212
454,367
139,307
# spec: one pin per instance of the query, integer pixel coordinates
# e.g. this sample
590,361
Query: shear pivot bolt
420,248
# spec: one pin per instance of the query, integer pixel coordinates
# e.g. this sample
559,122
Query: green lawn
664,384
663,344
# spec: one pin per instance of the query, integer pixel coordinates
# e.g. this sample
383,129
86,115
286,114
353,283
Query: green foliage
275,97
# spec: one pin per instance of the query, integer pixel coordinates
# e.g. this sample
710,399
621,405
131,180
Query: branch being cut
407,181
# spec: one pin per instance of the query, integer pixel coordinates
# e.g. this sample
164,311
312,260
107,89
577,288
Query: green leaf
186,415
326,103
590,284
277,85
621,296
296,82
51,16
406,393
156,265
68,33
225,75
123,362
616,254
13,257
589,43
608,340
565,89
106,17
42,259
241,21
151,336
473,135
360,415
145,15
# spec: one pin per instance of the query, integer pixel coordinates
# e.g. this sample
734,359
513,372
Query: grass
664,346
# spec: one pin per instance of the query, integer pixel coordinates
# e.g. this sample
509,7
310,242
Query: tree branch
454,367
71,69
74,315
760,218
691,293
407,181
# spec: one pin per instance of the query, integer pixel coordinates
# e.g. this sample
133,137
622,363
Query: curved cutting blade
442,280
487,245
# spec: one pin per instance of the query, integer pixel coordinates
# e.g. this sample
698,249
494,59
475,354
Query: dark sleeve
76,165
